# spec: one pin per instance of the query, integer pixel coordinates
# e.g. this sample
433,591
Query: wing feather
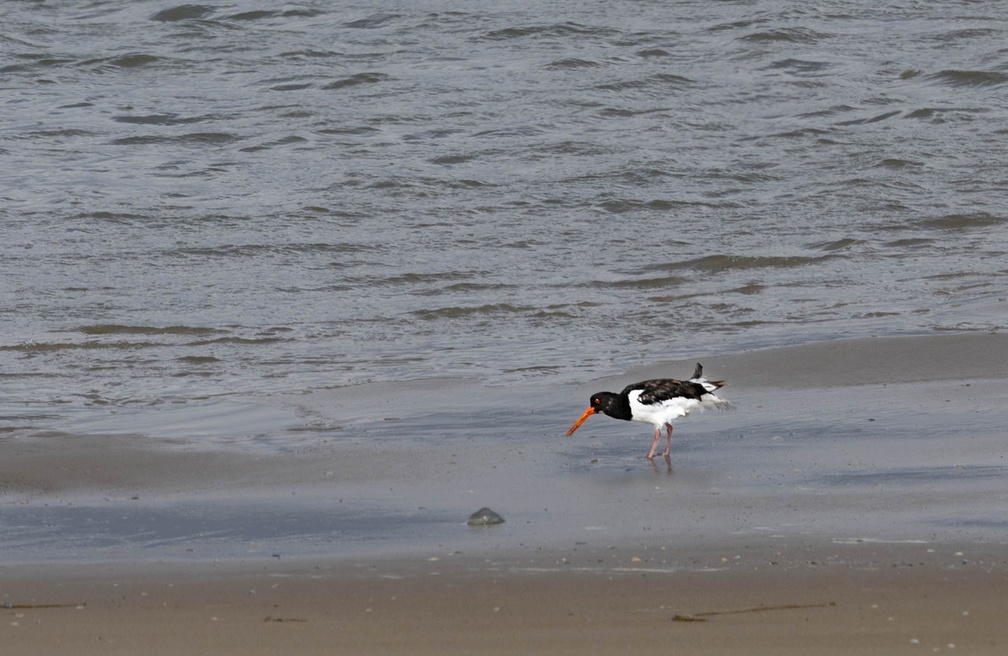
663,389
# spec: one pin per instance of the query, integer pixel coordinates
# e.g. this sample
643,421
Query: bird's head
597,403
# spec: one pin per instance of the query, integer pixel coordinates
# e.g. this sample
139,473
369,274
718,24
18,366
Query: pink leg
657,436
668,439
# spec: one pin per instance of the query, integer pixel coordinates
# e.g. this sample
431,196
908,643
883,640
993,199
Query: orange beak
577,424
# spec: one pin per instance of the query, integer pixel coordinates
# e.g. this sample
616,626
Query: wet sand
769,598
854,503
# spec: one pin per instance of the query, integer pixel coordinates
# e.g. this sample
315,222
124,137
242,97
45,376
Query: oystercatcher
657,402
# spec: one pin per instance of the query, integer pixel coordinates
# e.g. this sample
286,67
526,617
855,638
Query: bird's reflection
657,470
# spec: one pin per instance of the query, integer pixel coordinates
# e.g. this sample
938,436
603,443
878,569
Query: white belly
659,414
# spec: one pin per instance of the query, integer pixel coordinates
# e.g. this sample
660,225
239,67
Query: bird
657,402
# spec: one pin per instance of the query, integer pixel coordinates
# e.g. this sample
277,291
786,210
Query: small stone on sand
484,517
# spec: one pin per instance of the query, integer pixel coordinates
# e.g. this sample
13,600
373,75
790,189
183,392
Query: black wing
663,389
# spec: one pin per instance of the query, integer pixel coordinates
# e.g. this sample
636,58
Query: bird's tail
710,400
709,385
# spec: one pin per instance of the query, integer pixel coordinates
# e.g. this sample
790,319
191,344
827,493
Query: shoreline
818,446
854,504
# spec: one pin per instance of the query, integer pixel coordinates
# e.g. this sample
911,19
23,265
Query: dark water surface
208,200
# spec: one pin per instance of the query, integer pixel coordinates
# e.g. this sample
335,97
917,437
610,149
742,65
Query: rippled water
232,199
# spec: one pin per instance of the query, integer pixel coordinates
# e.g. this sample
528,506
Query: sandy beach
853,503
772,598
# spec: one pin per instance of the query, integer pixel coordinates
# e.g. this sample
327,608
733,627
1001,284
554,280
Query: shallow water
841,460
207,200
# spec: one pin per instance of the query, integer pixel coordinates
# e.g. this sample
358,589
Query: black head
610,404
606,403
602,401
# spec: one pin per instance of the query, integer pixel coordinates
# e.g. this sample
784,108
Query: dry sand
854,505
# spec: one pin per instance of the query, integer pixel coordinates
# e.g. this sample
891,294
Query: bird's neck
617,406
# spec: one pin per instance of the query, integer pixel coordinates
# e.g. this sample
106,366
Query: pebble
484,517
